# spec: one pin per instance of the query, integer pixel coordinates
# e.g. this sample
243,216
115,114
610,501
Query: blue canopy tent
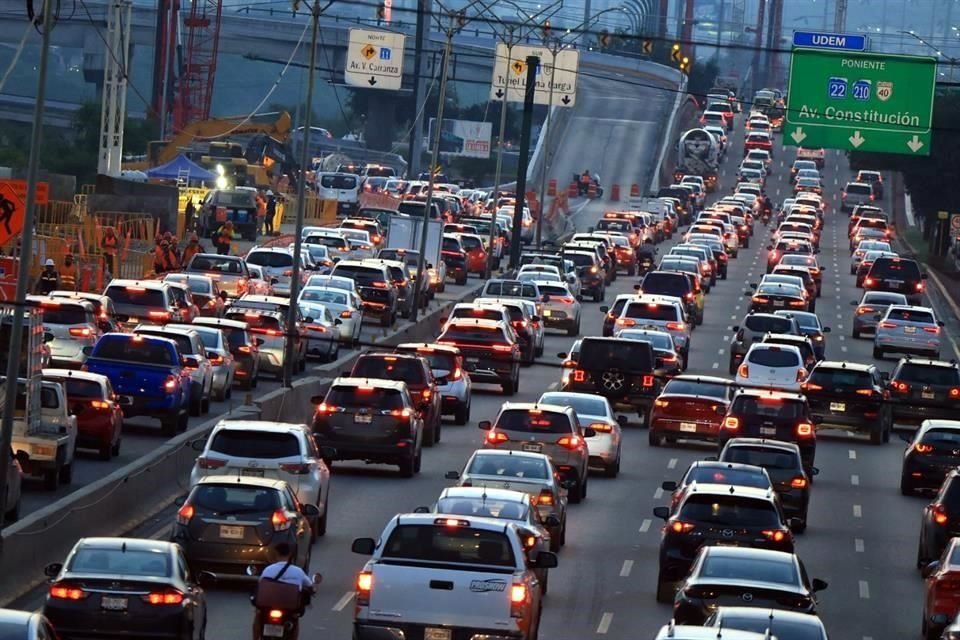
179,167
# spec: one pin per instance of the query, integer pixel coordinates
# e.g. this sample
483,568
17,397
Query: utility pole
533,64
26,252
289,352
113,109
419,88
840,16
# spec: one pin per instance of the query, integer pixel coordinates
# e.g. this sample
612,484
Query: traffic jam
462,471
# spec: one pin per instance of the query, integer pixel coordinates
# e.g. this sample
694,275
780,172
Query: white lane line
715,365
161,534
626,568
672,463
852,454
553,386
844,349
855,480
857,511
842,338
733,317
605,621
839,316
720,352
864,590
344,601
645,525
858,545
658,493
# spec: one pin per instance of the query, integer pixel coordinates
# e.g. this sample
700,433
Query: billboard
463,138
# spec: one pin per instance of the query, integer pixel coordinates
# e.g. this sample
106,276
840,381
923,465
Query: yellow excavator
207,143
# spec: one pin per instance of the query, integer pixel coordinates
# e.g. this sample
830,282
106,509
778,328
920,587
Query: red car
942,598
690,407
758,140
475,253
91,399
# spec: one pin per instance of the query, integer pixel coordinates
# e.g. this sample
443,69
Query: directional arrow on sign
856,139
565,100
518,67
914,143
499,93
648,46
798,135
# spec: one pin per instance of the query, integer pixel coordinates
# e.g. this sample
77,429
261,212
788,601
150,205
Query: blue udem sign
843,41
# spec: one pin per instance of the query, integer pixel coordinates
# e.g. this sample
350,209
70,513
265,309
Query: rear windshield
665,283
334,297
628,355
553,290
214,264
470,244
64,314
362,275
433,543
910,315
692,388
779,628
364,397
235,499
136,296
391,368
530,422
184,344
772,407
406,257
256,320
580,259
126,562
508,467
776,571
729,511
583,405
510,289
773,357
895,269
276,259
338,182
452,244
235,337
209,338
615,225
841,379
482,313
337,242
651,311
920,374
48,398
859,189
721,475
439,360
77,388
942,436
459,333
255,444
133,350
484,507
880,298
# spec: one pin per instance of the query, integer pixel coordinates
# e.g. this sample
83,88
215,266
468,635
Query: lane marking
605,621
864,590
857,511
344,601
843,348
716,365
164,532
720,352
852,454
672,463
626,568
553,386
645,525
658,493
858,545
855,480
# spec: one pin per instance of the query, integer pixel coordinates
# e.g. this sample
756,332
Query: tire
584,484
182,423
429,436
196,406
555,542
877,354
13,514
205,405
665,591
462,415
407,465
802,527
116,447
247,384
856,334
543,585
438,429
575,495
574,331
322,521
51,479
906,487
462,281
417,461
563,532
106,452
921,561
168,425
612,470
876,435
654,439
385,321
509,388
632,270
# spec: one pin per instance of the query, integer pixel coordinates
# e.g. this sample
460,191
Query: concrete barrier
130,495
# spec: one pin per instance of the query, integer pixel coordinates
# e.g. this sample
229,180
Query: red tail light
678,526
457,374
775,535
64,591
868,282
579,375
798,483
810,386
676,326
570,442
732,423
210,463
346,314
518,600
170,384
503,347
99,404
864,392
244,349
81,332
901,386
496,437
805,429
364,587
280,521
743,371
801,374
939,514
163,597
545,497
647,381
185,514
381,285
932,329
601,427
920,286
888,325
954,393
216,359
923,448
299,468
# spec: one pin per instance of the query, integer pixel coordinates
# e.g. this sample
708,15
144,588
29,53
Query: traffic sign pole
533,64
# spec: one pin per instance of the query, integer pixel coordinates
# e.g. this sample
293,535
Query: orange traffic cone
615,193
634,190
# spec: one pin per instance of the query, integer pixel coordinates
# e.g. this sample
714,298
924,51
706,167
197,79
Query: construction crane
195,85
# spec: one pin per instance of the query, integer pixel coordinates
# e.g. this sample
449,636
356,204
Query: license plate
532,447
256,473
432,633
546,314
894,283
778,303
927,395
768,431
909,329
229,532
273,630
473,361
113,604
362,418
132,320
126,400
838,406
689,427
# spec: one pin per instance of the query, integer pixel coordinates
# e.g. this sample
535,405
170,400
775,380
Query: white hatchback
774,366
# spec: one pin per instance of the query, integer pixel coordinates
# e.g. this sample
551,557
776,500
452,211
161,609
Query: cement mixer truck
698,154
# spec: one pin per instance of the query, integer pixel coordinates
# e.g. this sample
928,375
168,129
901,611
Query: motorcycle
278,613
645,261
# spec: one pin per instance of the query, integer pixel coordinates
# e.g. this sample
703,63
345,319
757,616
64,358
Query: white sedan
343,305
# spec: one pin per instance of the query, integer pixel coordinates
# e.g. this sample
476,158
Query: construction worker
584,183
49,278
261,210
108,246
172,248
224,238
193,248
271,213
189,215
68,274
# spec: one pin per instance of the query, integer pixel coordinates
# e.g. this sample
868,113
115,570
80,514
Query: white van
342,187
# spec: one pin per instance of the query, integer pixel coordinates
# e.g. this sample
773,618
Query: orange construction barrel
552,187
592,191
615,193
572,190
634,190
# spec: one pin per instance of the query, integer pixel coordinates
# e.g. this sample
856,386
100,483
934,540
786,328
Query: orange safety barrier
634,190
615,193
572,190
592,191
552,187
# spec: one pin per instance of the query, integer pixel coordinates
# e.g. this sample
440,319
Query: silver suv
753,328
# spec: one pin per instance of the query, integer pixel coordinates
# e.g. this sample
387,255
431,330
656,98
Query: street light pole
289,352
496,176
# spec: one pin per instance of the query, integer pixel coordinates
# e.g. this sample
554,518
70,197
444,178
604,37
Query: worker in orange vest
224,238
161,257
108,246
261,210
68,274
193,248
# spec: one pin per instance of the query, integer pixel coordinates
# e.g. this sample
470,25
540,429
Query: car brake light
743,371
297,468
401,413
801,374
775,535
216,359
518,598
675,326
601,427
868,282
364,587
798,483
457,374
170,384
346,314
185,513
864,310
805,429
164,597
570,442
99,404
280,521
939,515
496,437
545,497
732,423
380,285
579,375
864,392
275,614
647,381
811,386
932,329
888,325
81,332
923,448
678,526
503,347
901,386
210,463
954,392
65,591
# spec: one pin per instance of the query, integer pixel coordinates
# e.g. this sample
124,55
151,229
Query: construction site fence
317,212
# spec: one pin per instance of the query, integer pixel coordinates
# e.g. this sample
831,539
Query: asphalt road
861,538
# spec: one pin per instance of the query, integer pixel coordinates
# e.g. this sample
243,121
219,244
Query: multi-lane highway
862,533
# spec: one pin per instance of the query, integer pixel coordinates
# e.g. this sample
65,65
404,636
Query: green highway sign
860,101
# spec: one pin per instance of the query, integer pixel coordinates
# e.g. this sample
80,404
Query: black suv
849,396
490,348
623,371
778,415
932,452
455,258
375,287
413,370
940,520
371,420
411,260
717,514
673,283
898,275
398,275
921,389
784,466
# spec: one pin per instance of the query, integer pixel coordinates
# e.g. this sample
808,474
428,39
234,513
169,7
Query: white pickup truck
440,577
50,442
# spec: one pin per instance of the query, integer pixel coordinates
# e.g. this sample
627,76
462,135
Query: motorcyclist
583,185
284,570
646,252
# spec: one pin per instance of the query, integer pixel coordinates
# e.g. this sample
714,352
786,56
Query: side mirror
940,323
535,318
735,328
546,297
923,276
748,294
854,303
258,341
769,247
223,296
711,458
885,376
346,373
752,285
623,421
826,329
562,355
605,308
206,578
636,287
315,400
274,280
52,570
22,456
212,354
452,475
816,419
87,351
906,437
819,585
190,361
328,453
48,337
589,432
662,512
198,445
545,560
485,425
668,485
422,510
552,521
939,620
310,510
308,319
363,546
814,471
